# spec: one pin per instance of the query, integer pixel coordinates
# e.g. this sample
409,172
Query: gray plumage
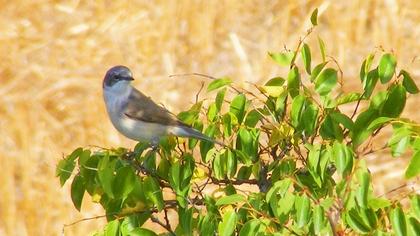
137,116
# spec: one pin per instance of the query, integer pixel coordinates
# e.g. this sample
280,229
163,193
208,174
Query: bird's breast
131,128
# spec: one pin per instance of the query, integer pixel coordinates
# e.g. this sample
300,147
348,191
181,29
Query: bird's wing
141,107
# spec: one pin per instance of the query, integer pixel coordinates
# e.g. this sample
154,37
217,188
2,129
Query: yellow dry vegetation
53,56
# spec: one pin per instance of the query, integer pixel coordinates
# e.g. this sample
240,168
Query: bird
137,116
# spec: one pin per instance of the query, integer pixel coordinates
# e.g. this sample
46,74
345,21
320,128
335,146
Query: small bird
136,116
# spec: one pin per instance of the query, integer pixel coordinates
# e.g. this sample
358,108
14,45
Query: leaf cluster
293,162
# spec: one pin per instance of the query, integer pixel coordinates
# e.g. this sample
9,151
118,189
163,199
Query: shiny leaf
386,68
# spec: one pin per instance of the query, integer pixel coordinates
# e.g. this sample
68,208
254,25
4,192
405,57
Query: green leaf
142,232
247,142
322,49
327,202
408,82
198,125
306,57
326,81
348,98
379,122
212,112
231,199
244,172
112,228
273,91
415,205
318,219
250,228
207,225
153,192
75,154
355,221
395,102
129,223
370,82
186,220
274,87
218,83
414,226
313,162
279,187
66,166
283,206
205,146
343,119
369,217
331,129
378,203
64,170
399,148
377,101
363,191
231,163
360,133
124,182
220,98
343,158
106,168
252,118
293,82
398,223
229,120
188,117
228,224
237,107
413,168
386,68
282,58
89,172
297,107
303,210
310,118
365,68
317,69
277,81
314,17
77,191
399,140
84,157
219,167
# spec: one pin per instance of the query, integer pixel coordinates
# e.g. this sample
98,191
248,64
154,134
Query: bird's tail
193,133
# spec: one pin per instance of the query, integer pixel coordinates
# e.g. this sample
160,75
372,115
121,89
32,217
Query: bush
294,164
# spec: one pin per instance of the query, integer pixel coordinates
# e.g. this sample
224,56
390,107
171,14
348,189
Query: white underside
139,130
132,128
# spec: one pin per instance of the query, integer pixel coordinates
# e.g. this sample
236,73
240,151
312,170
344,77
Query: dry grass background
53,56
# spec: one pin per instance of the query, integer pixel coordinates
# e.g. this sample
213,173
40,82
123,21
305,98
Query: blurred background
54,54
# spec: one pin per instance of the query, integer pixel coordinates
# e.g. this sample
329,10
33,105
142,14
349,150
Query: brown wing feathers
143,108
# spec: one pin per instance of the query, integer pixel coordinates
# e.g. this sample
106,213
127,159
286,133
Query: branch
166,226
357,105
234,182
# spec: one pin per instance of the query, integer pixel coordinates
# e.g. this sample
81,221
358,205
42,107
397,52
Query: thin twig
357,105
157,221
199,91
88,218
196,74
234,182
167,219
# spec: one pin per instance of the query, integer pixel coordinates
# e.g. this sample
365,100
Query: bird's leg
154,144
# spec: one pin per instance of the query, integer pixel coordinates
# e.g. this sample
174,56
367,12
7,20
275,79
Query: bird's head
117,76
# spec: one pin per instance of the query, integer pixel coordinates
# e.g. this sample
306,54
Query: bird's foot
154,144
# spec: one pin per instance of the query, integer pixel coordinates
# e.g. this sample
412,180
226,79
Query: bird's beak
129,78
